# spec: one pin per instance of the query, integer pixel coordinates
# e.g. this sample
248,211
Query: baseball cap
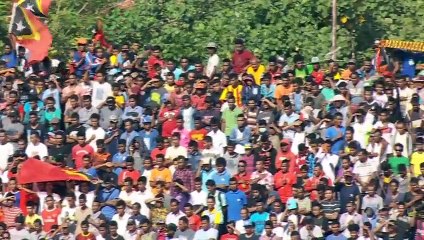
248,146
291,204
205,161
315,60
113,118
212,45
147,119
249,224
285,141
171,227
110,100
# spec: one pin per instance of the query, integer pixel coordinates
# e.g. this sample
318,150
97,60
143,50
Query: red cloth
99,36
25,198
318,76
34,170
35,35
151,63
241,60
194,222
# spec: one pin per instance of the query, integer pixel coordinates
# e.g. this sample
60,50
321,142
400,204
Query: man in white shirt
213,60
121,217
219,140
101,90
175,214
310,231
35,147
175,150
206,232
95,132
364,169
198,196
6,150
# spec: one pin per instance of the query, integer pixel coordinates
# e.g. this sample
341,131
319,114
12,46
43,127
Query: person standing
213,60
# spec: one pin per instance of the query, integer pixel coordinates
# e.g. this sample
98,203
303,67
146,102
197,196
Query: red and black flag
30,33
99,35
39,8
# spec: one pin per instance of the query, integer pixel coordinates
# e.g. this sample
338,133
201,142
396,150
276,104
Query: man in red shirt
312,183
199,98
194,219
80,150
283,182
243,178
153,60
129,171
241,57
317,73
168,118
159,149
284,154
50,214
85,234
230,235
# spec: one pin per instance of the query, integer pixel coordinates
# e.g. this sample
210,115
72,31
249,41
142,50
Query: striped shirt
10,213
330,207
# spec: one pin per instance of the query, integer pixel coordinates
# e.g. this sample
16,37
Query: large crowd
276,148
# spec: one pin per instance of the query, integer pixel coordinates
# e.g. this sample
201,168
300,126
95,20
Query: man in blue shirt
107,196
221,176
259,217
236,200
9,56
336,134
148,134
336,233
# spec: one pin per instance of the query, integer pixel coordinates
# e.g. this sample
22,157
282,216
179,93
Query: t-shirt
416,159
230,118
394,163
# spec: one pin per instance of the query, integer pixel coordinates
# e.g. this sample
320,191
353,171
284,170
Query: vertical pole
334,29
12,17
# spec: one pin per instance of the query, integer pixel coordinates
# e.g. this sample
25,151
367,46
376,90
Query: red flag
99,35
34,170
31,33
39,8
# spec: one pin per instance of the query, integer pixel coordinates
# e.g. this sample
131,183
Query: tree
270,27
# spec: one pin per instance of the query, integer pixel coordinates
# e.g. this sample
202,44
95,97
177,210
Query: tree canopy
183,27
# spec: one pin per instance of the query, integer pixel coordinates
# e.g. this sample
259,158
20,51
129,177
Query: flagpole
13,16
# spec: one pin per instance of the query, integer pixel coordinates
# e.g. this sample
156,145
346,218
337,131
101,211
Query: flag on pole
99,35
39,8
30,33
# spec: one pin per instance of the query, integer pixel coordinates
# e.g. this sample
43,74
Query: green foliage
184,27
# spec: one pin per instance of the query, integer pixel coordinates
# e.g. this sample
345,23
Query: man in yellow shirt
256,69
214,215
31,216
235,88
417,157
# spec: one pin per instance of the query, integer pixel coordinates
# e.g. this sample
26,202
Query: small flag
39,8
31,33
